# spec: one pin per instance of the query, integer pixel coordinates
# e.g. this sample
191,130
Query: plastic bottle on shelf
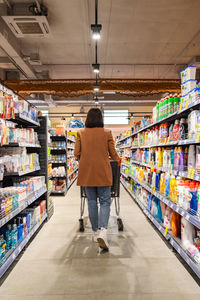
193,200
176,159
14,236
182,129
171,127
181,159
191,156
176,102
187,195
159,157
162,183
173,189
171,104
154,178
172,158
176,130
8,237
2,249
167,184
157,182
198,200
185,158
157,111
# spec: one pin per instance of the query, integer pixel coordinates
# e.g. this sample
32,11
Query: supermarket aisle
63,264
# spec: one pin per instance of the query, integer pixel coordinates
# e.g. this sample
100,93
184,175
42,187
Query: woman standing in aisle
93,146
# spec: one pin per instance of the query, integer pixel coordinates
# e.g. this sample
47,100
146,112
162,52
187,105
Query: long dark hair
94,118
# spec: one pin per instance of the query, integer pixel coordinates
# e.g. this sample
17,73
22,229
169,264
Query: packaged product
176,224
188,73
187,233
156,209
167,217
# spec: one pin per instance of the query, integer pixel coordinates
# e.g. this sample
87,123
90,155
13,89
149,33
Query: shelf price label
198,137
192,173
23,168
189,172
187,102
165,233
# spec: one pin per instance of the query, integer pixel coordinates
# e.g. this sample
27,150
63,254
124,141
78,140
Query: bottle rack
190,173
70,178
72,175
42,194
57,151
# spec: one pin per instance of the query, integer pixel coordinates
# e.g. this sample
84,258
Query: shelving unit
54,150
41,194
172,240
57,151
126,149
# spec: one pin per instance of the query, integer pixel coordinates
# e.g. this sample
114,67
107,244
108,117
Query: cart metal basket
115,193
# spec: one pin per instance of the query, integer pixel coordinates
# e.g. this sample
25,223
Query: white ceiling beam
11,46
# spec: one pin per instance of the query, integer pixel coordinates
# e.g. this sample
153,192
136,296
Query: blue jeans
104,195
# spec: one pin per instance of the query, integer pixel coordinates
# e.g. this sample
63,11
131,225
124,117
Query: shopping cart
115,190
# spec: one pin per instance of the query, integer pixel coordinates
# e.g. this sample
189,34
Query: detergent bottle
176,158
154,178
165,158
176,130
171,132
162,183
191,156
157,182
193,201
185,158
167,185
172,159
181,159
187,195
173,189
198,200
159,157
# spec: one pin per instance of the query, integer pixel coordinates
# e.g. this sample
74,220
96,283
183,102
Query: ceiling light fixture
96,88
96,68
96,29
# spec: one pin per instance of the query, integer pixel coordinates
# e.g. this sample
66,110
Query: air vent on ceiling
28,26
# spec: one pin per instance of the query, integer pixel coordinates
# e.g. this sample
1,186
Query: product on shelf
60,129
60,171
59,184
18,160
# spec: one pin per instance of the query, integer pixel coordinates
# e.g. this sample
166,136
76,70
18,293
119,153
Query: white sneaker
95,236
102,239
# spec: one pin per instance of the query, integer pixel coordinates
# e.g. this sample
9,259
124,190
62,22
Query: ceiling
141,39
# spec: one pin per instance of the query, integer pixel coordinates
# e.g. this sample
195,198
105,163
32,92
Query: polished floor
63,264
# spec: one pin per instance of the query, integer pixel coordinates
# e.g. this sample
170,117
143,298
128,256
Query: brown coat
93,147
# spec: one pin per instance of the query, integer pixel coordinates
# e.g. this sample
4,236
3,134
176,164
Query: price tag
40,219
198,137
187,102
189,172
171,168
23,168
31,166
192,173
165,233
180,107
187,217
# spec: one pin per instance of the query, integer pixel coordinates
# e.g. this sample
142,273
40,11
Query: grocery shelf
63,149
72,172
57,162
172,117
190,173
175,242
16,252
126,165
58,135
69,185
23,120
147,213
70,147
177,246
27,145
58,176
191,218
71,140
21,173
126,146
30,199
63,191
71,155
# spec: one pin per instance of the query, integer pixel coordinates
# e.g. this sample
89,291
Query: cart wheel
120,224
81,224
